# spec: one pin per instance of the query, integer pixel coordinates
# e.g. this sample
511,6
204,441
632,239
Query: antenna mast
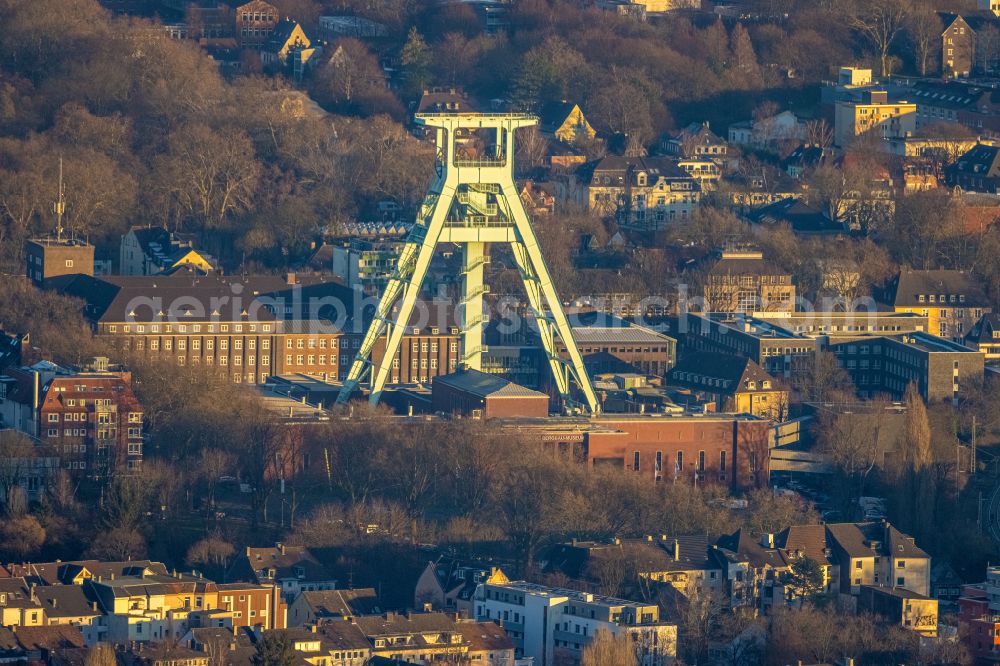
59,207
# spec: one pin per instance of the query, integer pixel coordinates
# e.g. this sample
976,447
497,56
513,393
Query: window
900,564
701,461
53,418
900,581
722,462
857,565
635,461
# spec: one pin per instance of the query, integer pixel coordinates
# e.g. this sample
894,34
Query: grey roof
910,285
733,371
342,603
620,334
857,539
485,385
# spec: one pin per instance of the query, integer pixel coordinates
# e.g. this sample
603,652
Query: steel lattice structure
471,201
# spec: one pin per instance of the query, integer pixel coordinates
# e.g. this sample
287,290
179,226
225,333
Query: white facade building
549,624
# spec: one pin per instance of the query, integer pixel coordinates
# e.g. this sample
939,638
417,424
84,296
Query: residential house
752,569
19,607
489,644
873,113
69,605
911,610
990,6
165,654
805,158
979,617
958,46
152,250
951,300
978,170
809,541
255,21
697,140
550,624
750,191
288,49
317,606
802,218
642,193
878,554
681,562
985,336
940,368
449,585
743,281
703,170
344,642
538,198
91,421
734,383
768,133
565,121
366,263
413,637
445,100
294,569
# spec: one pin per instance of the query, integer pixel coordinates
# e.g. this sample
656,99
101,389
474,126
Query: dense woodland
150,133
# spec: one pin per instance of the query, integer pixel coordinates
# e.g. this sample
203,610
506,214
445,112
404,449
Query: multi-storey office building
940,368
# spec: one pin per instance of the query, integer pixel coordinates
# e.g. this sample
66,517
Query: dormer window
765,384
931,298
752,385
920,298
641,179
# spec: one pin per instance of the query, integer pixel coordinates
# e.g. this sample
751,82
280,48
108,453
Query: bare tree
606,649
102,654
17,454
819,133
924,30
880,22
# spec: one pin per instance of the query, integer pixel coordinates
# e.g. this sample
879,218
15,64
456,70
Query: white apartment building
550,624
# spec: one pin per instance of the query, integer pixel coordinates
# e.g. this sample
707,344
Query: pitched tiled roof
485,636
802,217
64,601
733,371
50,637
858,539
807,540
343,635
982,330
395,624
334,603
741,547
910,285
287,561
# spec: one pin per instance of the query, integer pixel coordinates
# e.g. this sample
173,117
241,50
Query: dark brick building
942,369
480,394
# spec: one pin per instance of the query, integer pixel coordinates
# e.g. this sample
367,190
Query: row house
87,422
294,569
975,106
851,556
